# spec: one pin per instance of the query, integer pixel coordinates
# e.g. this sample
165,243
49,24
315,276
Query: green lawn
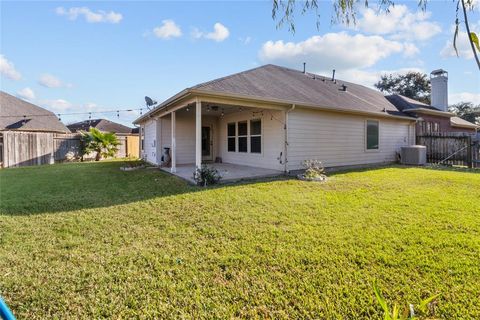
90,241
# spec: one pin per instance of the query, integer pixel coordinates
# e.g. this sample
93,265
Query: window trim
243,136
234,136
250,135
366,136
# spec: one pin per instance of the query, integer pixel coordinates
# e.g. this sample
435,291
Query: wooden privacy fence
129,146
132,145
65,143
36,148
451,149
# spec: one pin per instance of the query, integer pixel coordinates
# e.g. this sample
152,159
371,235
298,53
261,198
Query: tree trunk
469,35
98,157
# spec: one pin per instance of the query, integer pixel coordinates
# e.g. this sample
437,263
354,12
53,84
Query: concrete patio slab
229,172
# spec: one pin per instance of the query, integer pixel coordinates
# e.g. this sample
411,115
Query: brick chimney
439,82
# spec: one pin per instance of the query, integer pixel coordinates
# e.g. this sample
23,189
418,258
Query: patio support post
198,134
173,167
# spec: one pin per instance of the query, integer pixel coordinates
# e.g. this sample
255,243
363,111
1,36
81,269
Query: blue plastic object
5,312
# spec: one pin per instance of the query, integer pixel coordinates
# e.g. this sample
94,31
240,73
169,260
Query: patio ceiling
216,109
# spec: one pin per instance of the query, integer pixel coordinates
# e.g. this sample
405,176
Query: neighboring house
128,137
102,125
434,118
19,115
274,118
27,132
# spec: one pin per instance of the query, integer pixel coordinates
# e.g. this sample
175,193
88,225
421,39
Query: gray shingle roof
280,83
12,111
101,124
457,121
404,103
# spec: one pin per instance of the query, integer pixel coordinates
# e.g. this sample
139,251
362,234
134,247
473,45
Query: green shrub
205,176
314,170
105,144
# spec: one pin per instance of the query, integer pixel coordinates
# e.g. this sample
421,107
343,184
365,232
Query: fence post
469,152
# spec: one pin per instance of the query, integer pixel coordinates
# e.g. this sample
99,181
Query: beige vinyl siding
149,143
338,139
272,140
164,136
185,135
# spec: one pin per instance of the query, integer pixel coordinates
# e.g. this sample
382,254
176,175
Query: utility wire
71,113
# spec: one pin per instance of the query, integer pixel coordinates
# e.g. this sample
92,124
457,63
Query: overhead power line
74,113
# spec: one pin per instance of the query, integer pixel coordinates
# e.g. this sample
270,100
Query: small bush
314,170
205,176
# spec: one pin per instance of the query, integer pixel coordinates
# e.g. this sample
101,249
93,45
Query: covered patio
229,172
240,139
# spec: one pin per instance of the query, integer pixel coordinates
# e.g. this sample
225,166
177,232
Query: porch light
188,109
222,114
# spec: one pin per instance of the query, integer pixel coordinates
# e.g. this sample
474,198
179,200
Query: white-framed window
245,136
231,137
256,136
372,135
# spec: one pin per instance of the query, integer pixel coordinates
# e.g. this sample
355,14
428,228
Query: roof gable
17,114
100,124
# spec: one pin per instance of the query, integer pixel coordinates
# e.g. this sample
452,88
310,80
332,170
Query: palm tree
105,144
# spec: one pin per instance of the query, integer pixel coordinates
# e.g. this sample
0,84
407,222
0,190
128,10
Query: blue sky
93,56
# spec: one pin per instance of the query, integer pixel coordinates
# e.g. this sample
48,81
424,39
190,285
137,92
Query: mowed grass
90,241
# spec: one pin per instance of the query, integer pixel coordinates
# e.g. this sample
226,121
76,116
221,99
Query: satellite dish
149,101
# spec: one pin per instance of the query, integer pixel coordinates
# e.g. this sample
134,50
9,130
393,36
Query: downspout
419,119
286,136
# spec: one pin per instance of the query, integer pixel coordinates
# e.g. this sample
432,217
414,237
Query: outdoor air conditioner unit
414,155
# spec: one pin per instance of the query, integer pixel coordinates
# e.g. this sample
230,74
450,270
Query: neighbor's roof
459,122
13,110
405,104
101,124
273,83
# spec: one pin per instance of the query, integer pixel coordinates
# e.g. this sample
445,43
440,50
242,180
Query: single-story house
274,118
27,132
128,137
